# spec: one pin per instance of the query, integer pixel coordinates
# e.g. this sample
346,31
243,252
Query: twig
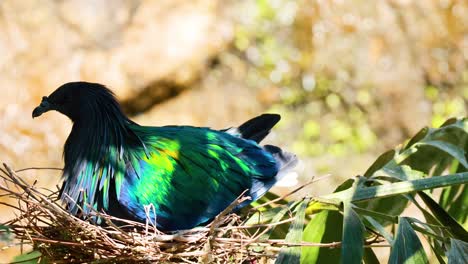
39,168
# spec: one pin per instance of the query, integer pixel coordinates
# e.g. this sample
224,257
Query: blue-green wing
190,174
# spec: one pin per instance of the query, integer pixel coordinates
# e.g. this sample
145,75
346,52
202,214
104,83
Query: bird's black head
78,100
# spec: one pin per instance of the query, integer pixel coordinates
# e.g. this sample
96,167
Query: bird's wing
190,174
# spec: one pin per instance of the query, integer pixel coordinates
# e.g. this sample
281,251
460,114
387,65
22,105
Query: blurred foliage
329,111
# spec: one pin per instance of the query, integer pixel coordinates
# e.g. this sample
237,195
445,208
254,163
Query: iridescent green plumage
177,176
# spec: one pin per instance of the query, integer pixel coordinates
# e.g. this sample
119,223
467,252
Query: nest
42,222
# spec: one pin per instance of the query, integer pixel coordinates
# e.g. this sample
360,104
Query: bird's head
77,99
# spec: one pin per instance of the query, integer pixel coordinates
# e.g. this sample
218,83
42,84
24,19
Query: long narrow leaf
400,172
387,190
370,257
438,253
262,217
293,254
453,123
353,236
380,162
275,219
380,229
5,234
325,227
458,253
448,195
451,149
407,249
32,257
454,200
444,218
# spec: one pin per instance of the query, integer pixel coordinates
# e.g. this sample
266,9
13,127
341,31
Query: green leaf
353,236
449,121
267,197
317,206
458,253
437,249
5,234
454,199
424,157
276,219
396,204
430,219
375,224
458,208
370,257
461,124
400,172
321,204
263,217
296,230
345,185
418,137
444,218
407,249
381,161
392,205
451,149
427,229
325,227
444,163
32,257
449,194
392,189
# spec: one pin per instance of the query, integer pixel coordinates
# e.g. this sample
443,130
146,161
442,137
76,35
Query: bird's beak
42,108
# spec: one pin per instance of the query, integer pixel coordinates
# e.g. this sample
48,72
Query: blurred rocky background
350,78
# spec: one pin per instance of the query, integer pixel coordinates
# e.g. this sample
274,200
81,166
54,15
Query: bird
177,177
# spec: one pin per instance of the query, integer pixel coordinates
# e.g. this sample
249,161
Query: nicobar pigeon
187,174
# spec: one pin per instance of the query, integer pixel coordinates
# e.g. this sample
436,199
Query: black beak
42,108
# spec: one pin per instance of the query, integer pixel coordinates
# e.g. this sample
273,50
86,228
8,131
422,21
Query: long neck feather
94,155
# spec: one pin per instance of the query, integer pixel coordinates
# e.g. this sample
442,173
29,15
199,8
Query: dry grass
42,222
